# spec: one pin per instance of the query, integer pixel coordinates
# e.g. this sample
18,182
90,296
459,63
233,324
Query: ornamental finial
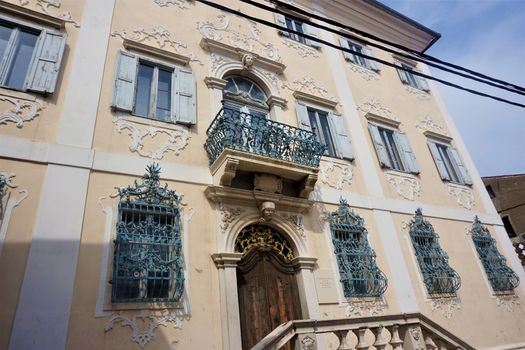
153,171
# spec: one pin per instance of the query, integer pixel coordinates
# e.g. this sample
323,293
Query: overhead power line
386,63
384,41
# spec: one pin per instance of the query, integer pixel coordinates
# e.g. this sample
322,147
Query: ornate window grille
360,275
148,262
438,276
501,277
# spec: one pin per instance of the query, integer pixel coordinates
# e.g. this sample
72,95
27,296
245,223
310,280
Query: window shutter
373,65
45,64
439,162
422,82
347,55
402,74
302,116
384,161
312,31
460,167
281,21
125,78
184,99
407,155
342,142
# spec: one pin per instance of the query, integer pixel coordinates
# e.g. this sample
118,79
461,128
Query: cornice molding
324,102
176,58
32,15
382,120
439,137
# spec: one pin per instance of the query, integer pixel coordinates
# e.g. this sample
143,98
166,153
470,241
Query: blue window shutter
45,64
347,55
402,74
442,170
373,65
312,31
422,82
125,78
281,21
459,166
302,116
384,161
342,142
407,155
184,97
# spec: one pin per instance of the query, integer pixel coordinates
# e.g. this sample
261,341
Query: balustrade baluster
343,340
379,343
361,345
430,343
395,341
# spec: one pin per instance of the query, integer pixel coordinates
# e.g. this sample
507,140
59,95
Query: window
29,58
449,164
298,26
359,273
148,265
501,277
490,191
410,79
356,59
508,226
329,129
393,149
438,276
149,89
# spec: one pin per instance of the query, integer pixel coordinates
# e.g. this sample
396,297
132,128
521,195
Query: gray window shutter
460,167
342,142
439,162
125,78
422,82
407,155
45,64
402,74
347,55
384,161
312,31
184,98
373,65
302,116
281,21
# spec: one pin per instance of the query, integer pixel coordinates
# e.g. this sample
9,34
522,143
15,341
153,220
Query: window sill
396,172
286,37
15,93
457,184
143,305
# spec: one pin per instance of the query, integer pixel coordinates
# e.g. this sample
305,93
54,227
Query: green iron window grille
501,277
438,276
148,263
360,275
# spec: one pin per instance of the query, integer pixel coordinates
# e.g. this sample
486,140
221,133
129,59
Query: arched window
243,95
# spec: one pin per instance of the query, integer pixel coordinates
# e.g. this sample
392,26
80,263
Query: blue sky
487,36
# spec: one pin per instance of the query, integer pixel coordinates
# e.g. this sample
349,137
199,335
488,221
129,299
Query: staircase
398,332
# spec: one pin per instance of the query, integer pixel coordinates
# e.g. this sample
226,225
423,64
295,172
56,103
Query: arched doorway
266,282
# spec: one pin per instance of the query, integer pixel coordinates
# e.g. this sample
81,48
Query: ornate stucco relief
19,110
406,185
144,323
308,85
508,302
243,38
302,49
182,4
366,307
463,195
159,37
177,138
228,215
420,94
335,175
374,106
10,198
366,74
446,305
296,221
45,6
428,123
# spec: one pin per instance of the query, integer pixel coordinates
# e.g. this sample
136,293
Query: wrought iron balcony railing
232,129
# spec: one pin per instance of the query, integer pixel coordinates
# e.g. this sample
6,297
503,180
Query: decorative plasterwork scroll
21,110
144,324
463,195
508,301
308,343
307,84
246,39
45,6
446,305
296,221
366,74
158,36
9,200
366,307
228,216
302,49
335,175
182,4
420,94
374,106
427,123
177,138
406,185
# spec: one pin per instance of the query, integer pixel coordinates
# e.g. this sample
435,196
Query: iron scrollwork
360,275
263,237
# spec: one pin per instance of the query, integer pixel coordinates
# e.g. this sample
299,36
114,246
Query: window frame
392,148
328,150
450,164
357,45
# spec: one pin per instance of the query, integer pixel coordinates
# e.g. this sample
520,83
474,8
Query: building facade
176,176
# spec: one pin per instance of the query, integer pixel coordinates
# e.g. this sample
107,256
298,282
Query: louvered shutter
45,65
382,155
439,161
402,74
302,116
125,78
407,155
184,100
281,21
459,166
422,82
312,31
347,55
373,65
342,142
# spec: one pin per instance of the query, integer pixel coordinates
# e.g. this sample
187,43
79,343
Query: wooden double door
268,295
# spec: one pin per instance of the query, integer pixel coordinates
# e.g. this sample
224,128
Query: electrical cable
386,63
